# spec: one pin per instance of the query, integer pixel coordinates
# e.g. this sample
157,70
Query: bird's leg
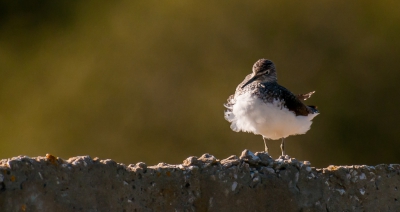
283,147
265,143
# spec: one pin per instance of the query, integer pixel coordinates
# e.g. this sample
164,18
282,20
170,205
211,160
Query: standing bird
261,106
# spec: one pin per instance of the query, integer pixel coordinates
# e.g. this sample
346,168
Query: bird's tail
305,96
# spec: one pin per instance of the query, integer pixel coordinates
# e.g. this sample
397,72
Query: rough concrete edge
254,163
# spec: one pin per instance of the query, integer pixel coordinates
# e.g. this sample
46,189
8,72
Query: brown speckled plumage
270,90
261,106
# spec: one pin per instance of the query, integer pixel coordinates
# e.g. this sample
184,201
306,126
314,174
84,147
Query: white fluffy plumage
271,120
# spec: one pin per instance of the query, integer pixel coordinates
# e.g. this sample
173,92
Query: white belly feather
271,120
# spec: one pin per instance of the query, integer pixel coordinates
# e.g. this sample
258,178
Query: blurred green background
146,80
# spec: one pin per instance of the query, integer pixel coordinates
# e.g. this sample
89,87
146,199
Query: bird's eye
267,72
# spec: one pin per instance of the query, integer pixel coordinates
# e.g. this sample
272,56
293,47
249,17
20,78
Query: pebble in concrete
250,182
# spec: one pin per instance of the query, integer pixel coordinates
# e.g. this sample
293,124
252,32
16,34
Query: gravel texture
250,182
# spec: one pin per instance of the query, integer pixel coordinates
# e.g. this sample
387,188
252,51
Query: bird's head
263,71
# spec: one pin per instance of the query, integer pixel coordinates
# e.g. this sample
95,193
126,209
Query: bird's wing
291,101
305,96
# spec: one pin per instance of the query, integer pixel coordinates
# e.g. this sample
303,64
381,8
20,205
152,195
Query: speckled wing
291,101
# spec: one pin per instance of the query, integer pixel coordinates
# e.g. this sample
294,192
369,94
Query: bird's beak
250,80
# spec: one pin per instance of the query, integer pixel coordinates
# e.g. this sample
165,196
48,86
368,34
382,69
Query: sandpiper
261,106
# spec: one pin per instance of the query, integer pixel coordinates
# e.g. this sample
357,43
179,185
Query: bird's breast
272,119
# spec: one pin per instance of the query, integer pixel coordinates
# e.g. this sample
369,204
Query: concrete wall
251,182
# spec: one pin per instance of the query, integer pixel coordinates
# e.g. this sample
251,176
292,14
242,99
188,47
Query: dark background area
147,80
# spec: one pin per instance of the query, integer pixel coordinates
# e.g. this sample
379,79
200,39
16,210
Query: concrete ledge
251,182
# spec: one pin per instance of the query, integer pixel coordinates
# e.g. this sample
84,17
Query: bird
263,107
